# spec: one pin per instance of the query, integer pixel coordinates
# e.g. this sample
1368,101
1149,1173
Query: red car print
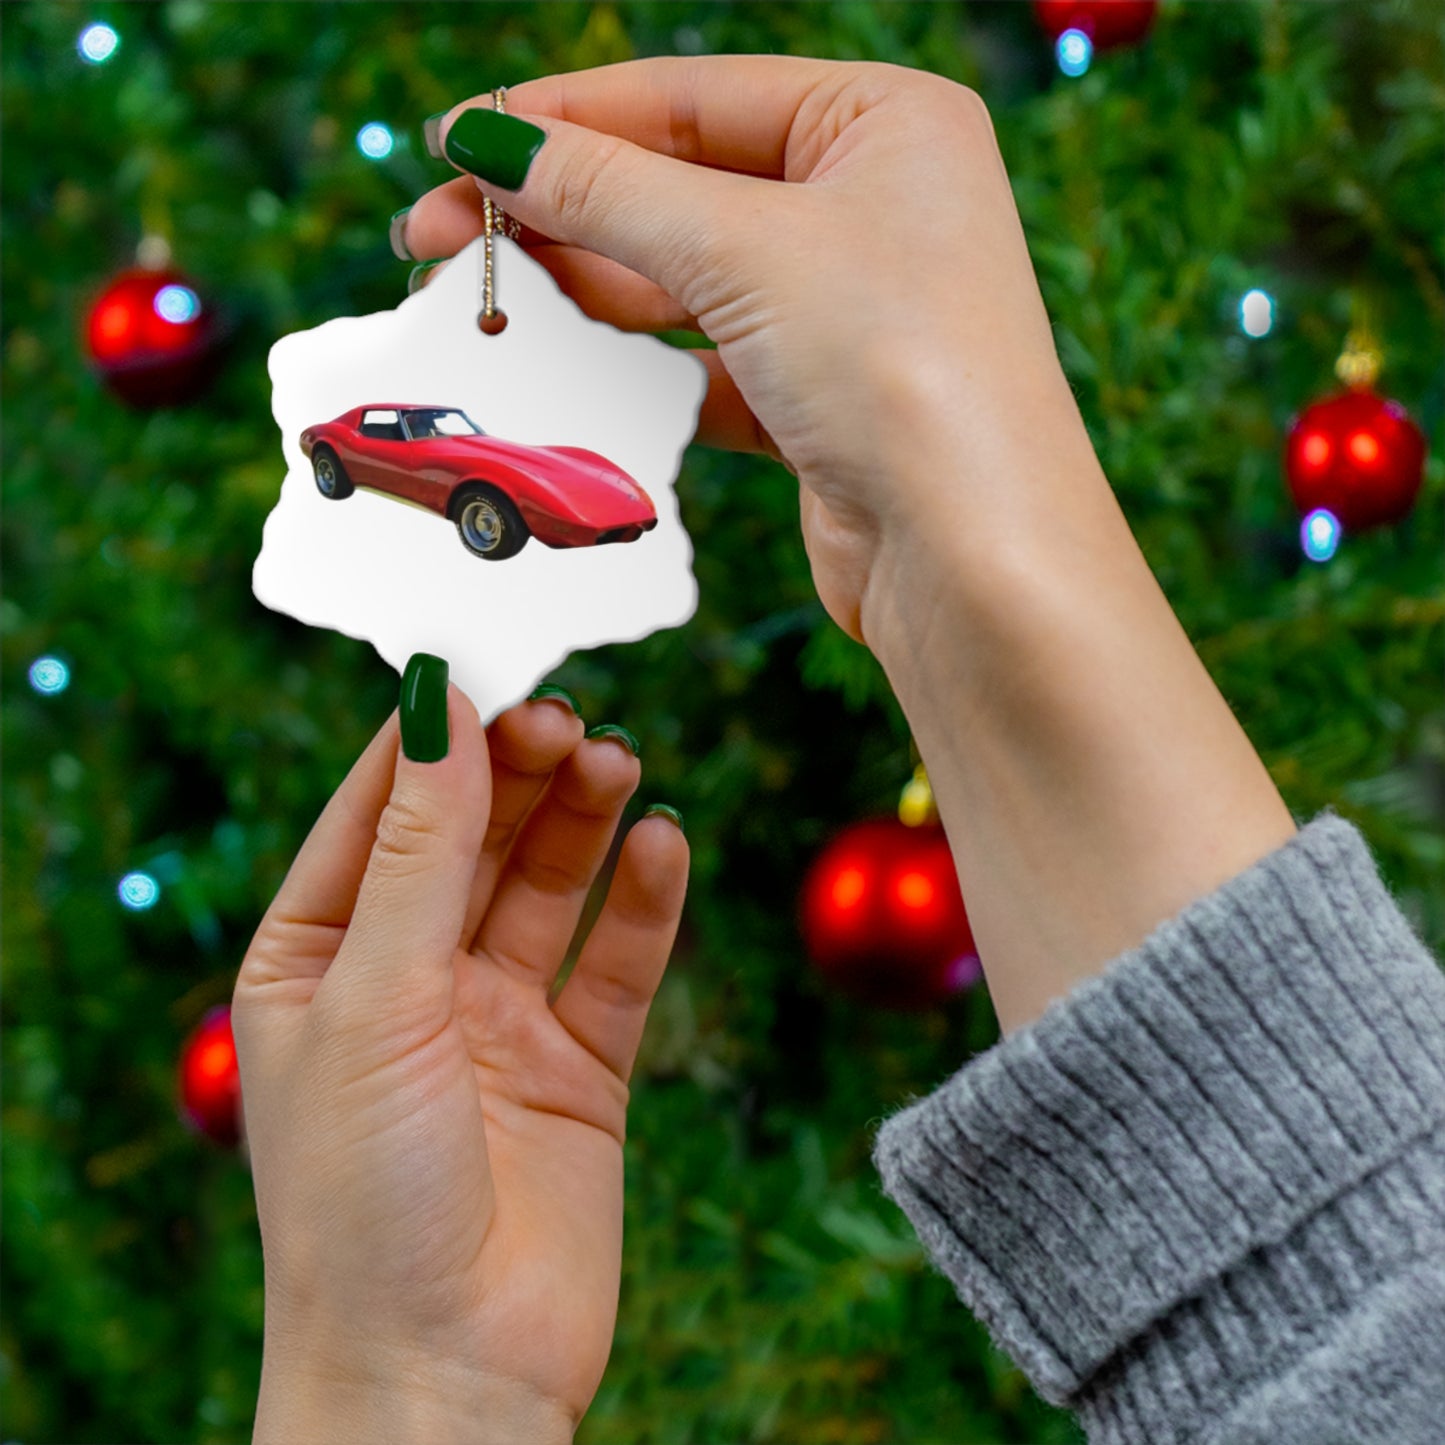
498,493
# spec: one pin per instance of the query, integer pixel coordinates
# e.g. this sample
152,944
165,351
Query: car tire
331,479
488,523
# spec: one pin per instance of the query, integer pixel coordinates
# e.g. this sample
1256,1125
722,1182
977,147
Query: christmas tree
1212,211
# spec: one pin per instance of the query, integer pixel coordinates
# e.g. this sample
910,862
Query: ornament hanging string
494,219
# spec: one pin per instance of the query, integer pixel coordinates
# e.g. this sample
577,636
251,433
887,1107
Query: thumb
663,218
407,923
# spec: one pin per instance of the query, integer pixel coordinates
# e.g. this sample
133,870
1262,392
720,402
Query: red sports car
498,493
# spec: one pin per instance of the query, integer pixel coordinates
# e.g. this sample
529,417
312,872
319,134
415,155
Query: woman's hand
878,324
847,235
437,1149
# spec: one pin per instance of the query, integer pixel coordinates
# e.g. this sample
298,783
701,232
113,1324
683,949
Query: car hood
583,477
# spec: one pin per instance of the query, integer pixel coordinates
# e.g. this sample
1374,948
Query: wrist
400,1398
1092,779
983,526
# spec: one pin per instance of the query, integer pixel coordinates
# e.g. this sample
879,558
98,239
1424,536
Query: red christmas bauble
1107,23
152,338
1357,455
210,1080
883,918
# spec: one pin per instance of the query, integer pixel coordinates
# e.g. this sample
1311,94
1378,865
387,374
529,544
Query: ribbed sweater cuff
1195,1114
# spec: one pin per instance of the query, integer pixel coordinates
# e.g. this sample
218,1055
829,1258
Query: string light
375,141
97,43
177,304
1256,313
138,891
1319,535
1074,51
49,675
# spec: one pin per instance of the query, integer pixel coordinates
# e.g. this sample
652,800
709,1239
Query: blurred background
1222,199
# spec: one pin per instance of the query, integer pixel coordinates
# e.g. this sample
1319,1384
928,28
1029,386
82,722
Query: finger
300,932
447,219
604,1002
543,887
734,112
526,743
395,964
654,215
609,292
725,419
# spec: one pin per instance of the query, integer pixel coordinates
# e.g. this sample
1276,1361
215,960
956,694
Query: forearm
1091,778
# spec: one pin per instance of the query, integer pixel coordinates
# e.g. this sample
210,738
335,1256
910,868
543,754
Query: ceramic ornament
497,500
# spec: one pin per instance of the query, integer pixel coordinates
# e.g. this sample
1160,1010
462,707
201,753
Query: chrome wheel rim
326,476
481,525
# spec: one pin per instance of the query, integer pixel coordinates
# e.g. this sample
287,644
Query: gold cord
494,220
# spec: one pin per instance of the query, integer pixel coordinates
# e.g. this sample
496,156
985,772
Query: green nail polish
550,689
414,281
667,812
396,233
498,148
424,734
614,730
431,133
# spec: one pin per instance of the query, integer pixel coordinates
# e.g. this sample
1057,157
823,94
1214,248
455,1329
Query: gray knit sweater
1202,1198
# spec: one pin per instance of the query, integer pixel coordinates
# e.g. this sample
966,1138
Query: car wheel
331,479
489,525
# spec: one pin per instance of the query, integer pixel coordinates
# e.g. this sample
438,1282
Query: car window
425,422
383,424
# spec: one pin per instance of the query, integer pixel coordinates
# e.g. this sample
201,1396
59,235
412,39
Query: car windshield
431,421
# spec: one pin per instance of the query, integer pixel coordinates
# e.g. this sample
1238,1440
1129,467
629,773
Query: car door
382,459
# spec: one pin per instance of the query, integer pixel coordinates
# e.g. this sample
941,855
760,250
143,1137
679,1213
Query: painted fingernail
670,813
424,734
431,133
396,232
418,276
551,690
613,730
498,148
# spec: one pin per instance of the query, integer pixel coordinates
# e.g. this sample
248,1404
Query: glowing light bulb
375,140
138,891
49,675
97,44
1319,535
177,304
848,888
1256,313
1074,52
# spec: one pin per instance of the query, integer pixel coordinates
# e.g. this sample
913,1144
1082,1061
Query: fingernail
396,232
417,279
550,689
431,133
663,810
498,148
613,730
424,735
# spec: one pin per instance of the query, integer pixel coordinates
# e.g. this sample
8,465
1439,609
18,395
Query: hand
437,1150
886,288
848,237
